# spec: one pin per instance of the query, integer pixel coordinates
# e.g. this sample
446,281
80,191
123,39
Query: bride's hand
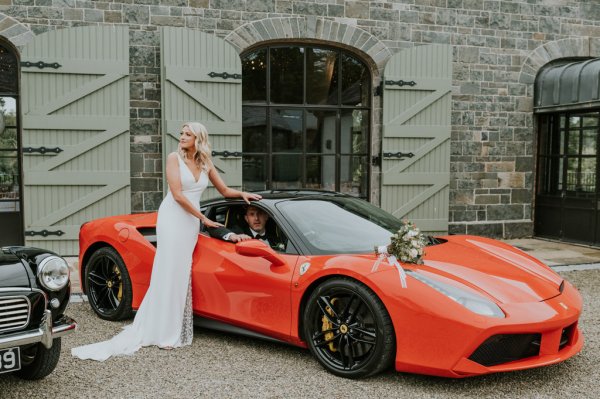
209,223
250,197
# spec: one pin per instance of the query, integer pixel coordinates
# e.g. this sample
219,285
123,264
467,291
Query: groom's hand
239,237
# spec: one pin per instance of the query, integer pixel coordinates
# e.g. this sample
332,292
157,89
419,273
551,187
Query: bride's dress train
164,318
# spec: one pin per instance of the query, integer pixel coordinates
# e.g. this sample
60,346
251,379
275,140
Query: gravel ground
225,366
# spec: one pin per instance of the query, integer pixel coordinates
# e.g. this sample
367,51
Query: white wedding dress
165,315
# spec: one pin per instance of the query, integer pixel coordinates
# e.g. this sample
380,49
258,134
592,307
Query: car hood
501,271
13,272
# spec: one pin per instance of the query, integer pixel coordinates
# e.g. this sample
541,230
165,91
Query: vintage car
475,305
34,292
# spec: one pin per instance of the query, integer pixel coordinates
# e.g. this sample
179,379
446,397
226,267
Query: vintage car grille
505,348
14,312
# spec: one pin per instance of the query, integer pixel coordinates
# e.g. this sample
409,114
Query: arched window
10,161
306,113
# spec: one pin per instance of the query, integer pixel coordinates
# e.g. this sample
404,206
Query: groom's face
256,219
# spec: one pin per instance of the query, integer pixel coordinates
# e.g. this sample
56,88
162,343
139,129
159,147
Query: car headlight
53,273
475,303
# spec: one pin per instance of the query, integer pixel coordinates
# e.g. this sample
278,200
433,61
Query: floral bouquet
408,244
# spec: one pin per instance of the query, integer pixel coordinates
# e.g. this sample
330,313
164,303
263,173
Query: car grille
14,312
505,348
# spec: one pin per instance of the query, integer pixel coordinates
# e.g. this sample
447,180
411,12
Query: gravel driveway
227,366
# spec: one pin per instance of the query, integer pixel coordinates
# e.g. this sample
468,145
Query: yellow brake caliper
327,325
120,293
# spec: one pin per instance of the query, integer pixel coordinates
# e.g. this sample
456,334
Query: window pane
354,132
573,144
354,175
551,175
321,76
355,82
254,129
9,181
320,172
574,121
590,120
320,131
287,75
589,142
254,169
286,125
587,180
254,76
8,123
287,171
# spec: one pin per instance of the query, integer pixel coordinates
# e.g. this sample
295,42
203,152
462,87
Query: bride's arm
174,181
226,191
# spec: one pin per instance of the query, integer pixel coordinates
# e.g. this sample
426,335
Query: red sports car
475,306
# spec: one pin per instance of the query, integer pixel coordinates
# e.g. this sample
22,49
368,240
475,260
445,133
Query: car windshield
340,224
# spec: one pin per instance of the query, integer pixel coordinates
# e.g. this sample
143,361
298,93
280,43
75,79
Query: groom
256,220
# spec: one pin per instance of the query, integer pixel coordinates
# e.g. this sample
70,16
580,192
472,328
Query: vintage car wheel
37,361
348,329
108,285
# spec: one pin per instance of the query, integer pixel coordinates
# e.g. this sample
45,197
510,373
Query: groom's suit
221,232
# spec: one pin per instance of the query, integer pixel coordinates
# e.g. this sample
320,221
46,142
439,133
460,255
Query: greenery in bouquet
408,244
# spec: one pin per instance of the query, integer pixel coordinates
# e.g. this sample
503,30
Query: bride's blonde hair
201,144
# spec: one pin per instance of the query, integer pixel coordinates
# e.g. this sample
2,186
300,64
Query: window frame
305,108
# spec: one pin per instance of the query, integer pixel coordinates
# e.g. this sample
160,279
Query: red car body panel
434,335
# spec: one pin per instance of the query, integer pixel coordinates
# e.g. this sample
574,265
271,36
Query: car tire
348,329
42,361
108,285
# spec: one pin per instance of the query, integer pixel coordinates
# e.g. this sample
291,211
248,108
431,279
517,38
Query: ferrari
474,306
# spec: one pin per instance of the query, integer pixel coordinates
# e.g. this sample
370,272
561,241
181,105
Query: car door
249,292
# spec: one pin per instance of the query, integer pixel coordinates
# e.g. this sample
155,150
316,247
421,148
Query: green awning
568,85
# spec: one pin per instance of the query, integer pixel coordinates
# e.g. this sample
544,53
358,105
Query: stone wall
498,48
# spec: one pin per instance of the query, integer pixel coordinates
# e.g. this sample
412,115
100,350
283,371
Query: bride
164,318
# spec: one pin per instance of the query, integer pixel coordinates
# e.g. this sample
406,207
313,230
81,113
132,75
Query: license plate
10,360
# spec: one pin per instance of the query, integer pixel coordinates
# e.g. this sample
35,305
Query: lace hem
187,328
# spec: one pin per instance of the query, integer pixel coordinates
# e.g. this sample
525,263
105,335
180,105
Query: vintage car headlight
475,303
53,273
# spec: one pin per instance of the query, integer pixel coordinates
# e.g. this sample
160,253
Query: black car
34,292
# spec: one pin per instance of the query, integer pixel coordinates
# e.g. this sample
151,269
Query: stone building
423,107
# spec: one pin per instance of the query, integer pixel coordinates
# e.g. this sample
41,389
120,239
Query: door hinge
44,233
42,150
225,75
399,155
40,64
376,160
226,154
378,89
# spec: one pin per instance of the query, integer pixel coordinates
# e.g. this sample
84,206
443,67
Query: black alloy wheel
348,329
108,285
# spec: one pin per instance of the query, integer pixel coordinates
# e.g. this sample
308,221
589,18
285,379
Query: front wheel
108,285
37,361
348,329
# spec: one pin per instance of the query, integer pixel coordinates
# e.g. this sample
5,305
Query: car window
232,217
340,224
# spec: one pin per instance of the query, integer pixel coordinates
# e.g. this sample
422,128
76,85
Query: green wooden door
416,122
201,78
75,132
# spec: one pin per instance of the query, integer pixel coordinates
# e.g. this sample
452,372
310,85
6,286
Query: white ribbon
391,259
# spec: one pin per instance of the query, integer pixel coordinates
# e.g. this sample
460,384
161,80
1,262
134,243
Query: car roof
281,195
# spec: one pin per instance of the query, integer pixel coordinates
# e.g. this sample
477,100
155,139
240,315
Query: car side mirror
257,248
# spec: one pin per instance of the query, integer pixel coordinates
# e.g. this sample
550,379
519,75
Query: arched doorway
11,205
567,101
306,119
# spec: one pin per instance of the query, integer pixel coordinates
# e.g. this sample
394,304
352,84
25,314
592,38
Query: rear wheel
348,329
108,285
